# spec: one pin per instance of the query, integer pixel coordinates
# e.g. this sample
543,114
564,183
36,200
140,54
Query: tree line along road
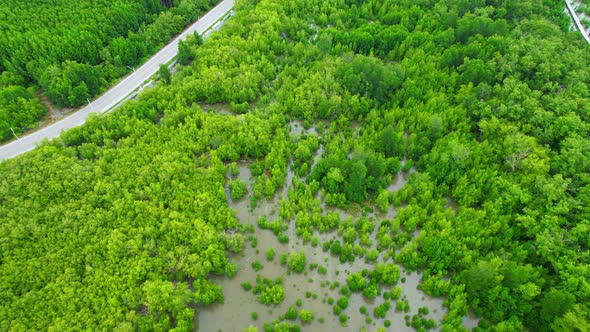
120,91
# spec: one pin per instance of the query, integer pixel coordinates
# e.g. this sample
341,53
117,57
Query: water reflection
311,287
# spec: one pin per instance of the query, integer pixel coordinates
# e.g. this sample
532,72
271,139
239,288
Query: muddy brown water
235,313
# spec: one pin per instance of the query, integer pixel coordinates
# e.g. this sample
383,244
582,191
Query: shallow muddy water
311,287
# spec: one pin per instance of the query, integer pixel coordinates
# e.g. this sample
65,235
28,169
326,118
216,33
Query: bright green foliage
237,188
380,311
270,254
137,212
371,291
402,305
110,224
283,326
486,102
296,261
387,274
269,292
396,292
306,316
356,282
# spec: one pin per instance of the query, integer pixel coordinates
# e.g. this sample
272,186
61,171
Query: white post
89,103
14,133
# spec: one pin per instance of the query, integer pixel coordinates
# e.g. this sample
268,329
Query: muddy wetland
324,293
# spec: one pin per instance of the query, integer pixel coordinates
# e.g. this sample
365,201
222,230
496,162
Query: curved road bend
119,91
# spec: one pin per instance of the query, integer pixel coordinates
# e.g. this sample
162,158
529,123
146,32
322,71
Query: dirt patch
54,112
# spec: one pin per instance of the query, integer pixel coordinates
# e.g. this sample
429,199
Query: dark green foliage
363,310
342,302
506,279
343,318
75,50
19,110
391,142
345,291
353,178
291,314
164,73
368,76
337,310
184,53
418,322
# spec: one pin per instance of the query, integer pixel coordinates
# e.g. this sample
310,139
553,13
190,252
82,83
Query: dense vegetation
119,223
74,50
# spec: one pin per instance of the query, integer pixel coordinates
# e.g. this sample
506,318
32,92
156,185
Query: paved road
580,26
120,91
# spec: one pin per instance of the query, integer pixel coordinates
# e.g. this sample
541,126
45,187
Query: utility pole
132,68
14,133
89,103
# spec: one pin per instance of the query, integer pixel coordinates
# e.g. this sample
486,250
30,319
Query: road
120,91
577,20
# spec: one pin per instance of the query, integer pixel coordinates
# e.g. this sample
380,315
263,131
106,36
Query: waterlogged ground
312,288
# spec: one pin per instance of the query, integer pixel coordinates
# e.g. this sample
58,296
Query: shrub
342,302
270,254
296,262
306,316
343,320
257,266
291,314
237,188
